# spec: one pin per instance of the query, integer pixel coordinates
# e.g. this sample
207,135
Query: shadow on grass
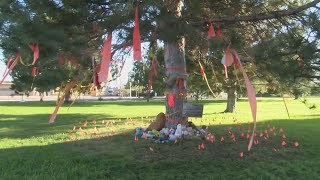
119,156
86,103
26,126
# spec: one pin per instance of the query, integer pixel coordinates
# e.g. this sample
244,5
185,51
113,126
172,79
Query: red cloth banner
7,65
34,71
202,71
35,48
211,32
61,101
136,37
106,58
171,99
153,71
251,97
14,63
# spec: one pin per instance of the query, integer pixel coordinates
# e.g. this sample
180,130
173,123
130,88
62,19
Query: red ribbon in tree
202,71
153,71
14,63
106,58
7,65
228,61
136,37
251,97
34,71
211,32
171,100
219,34
180,83
61,57
61,101
35,48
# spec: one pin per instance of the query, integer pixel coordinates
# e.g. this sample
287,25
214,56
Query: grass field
30,148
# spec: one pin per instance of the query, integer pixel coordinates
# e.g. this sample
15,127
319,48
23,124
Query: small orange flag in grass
283,136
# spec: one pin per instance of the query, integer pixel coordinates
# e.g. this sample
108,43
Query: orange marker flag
106,58
211,32
136,36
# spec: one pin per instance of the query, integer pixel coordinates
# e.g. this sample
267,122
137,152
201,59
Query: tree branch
260,16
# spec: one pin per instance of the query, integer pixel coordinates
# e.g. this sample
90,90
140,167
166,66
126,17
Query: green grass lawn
30,148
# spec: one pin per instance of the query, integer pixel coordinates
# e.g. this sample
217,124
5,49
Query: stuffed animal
172,137
178,132
158,123
138,131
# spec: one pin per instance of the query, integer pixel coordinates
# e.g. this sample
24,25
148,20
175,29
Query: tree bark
41,96
67,97
232,98
174,57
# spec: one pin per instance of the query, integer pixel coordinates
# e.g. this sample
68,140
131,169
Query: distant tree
141,73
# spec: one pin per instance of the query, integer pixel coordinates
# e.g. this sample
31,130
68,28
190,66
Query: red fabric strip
7,65
153,71
225,71
228,57
211,32
61,101
171,99
34,71
35,48
61,57
202,71
219,34
18,56
136,37
106,58
251,97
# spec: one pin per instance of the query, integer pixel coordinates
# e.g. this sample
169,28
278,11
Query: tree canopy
278,39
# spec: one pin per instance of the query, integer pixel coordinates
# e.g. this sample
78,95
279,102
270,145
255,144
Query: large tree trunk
67,97
232,98
174,57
